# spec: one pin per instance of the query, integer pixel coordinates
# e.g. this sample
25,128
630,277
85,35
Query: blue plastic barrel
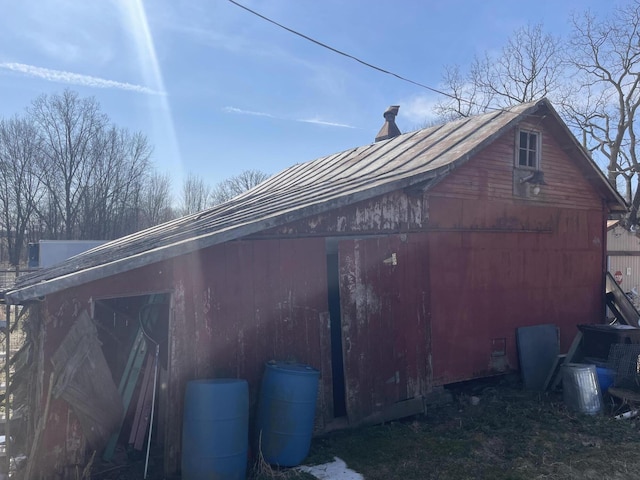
215,433
606,376
286,412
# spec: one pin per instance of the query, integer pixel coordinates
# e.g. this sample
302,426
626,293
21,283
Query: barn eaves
415,160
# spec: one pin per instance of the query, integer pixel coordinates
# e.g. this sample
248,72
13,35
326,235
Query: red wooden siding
235,307
473,263
490,177
484,285
386,213
257,301
500,262
384,320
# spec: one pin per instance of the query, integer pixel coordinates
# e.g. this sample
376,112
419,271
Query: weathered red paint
503,262
473,263
235,307
248,303
384,302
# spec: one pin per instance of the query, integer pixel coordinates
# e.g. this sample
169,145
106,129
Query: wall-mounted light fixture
534,180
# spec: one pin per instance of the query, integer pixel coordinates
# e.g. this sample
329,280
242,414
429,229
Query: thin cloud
61,76
269,115
249,112
322,122
419,109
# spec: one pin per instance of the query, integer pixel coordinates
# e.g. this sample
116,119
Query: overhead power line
340,52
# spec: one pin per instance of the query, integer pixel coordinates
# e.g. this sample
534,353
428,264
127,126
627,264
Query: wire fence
7,278
17,336
624,360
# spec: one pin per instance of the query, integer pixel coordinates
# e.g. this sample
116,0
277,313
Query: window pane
522,160
528,150
523,140
533,148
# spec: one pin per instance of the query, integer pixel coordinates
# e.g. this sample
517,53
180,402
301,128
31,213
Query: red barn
392,268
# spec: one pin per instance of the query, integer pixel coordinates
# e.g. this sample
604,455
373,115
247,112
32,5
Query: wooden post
7,404
38,433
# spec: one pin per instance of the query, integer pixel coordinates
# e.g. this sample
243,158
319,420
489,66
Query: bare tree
594,78
155,202
195,195
110,209
93,171
20,187
234,186
70,129
465,96
529,67
68,173
605,94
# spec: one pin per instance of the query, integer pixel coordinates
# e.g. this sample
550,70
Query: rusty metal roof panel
301,190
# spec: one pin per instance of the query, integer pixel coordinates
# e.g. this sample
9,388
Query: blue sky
218,90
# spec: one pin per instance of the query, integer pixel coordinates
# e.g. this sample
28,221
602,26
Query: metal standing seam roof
299,191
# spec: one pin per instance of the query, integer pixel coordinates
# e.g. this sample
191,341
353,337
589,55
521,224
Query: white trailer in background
50,252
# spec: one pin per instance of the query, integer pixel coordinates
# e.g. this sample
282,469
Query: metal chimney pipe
389,129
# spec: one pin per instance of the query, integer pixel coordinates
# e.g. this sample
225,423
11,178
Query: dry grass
510,434
261,470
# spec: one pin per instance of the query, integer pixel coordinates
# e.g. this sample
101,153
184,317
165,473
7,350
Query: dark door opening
134,335
337,367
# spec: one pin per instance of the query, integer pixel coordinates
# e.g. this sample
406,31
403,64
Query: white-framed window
528,149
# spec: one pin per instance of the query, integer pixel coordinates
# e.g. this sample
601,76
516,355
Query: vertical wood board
384,302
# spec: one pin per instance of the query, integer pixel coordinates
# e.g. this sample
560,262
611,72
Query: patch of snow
336,470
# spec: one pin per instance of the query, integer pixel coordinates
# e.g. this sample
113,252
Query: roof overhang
615,202
116,266
338,193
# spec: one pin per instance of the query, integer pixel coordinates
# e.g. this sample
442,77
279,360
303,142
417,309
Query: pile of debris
603,361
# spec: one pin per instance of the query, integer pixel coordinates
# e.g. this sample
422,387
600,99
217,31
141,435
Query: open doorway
133,332
337,366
